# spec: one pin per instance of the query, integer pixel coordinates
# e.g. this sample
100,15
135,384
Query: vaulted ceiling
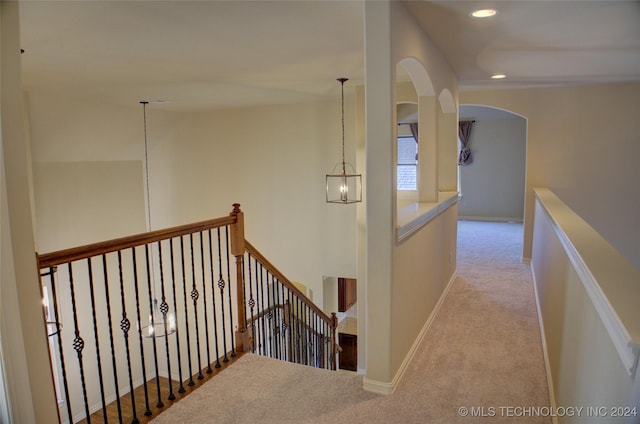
208,54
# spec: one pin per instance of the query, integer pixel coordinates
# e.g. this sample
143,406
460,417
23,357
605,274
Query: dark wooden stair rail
332,320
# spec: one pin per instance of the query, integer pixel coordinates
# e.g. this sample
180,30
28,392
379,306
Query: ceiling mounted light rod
161,323
343,188
146,161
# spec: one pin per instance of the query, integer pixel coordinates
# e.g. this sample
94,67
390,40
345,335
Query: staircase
139,321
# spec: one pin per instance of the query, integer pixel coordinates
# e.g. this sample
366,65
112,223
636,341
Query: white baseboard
519,220
387,388
545,351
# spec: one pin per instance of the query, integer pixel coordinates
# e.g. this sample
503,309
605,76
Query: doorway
492,186
348,323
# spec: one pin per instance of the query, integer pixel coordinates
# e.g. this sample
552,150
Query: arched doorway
492,187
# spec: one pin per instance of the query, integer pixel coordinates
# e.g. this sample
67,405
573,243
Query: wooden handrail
286,282
95,249
265,312
281,306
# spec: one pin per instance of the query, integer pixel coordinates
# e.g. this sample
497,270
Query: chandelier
343,187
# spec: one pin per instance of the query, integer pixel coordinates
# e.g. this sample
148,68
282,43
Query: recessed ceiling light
498,76
484,13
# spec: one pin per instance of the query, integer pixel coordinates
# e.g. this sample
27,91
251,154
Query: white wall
493,185
583,144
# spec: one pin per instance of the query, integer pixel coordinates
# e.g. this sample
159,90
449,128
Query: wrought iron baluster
147,411
213,302
186,314
96,339
260,296
305,334
181,388
317,340
320,342
221,286
252,303
78,343
194,297
232,336
301,333
296,329
314,339
159,403
328,347
291,327
125,326
283,323
164,309
65,382
275,321
204,305
110,321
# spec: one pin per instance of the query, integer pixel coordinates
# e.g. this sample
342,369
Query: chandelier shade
343,187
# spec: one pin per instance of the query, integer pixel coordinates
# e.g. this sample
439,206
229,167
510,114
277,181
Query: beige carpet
482,351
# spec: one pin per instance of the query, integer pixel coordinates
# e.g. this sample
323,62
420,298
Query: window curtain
413,126
464,134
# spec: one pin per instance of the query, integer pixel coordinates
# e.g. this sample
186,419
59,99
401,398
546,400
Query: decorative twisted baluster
239,283
78,342
164,309
213,301
186,312
194,297
96,338
159,403
105,272
181,388
204,303
147,411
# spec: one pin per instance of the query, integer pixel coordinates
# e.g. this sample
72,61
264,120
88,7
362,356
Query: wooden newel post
243,338
334,341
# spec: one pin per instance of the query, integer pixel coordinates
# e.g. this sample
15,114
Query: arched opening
407,152
416,104
492,187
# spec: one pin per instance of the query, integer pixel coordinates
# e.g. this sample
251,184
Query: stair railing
137,321
282,321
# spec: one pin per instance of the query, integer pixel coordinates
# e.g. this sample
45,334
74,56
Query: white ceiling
536,42
208,54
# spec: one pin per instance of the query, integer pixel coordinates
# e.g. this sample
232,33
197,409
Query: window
407,163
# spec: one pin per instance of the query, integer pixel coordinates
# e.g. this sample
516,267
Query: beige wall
23,338
492,187
423,265
584,366
86,202
395,314
583,144
271,159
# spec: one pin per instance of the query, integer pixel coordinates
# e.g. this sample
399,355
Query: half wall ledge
610,280
413,216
